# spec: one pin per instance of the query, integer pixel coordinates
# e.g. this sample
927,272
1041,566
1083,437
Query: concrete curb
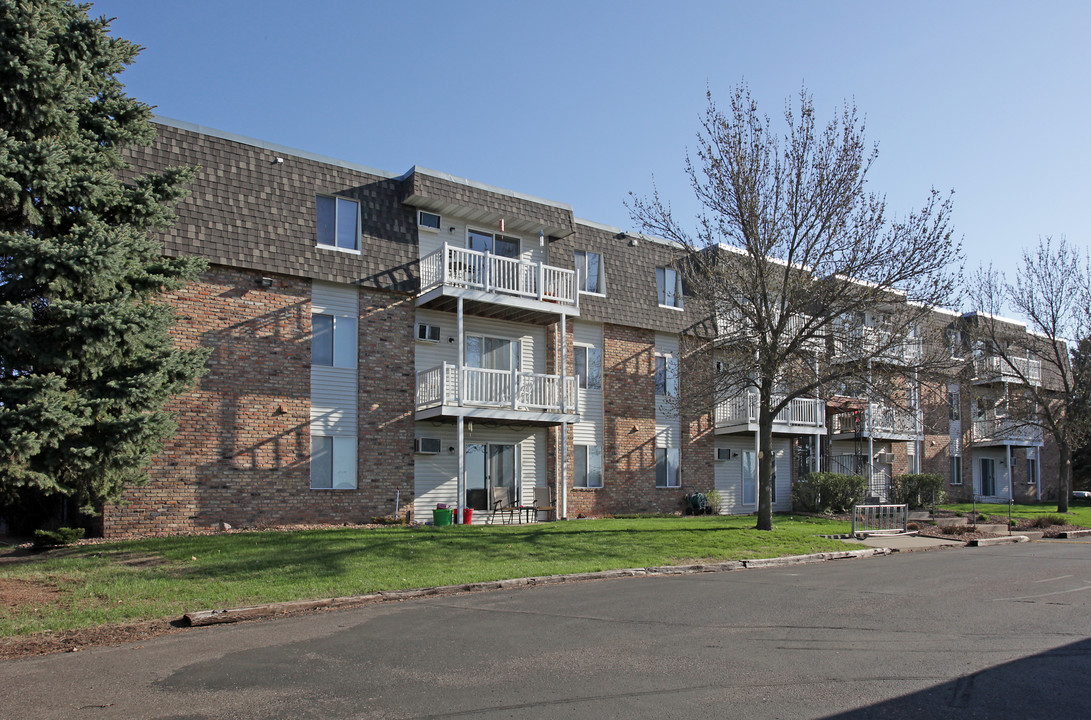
201,618
1069,534
998,541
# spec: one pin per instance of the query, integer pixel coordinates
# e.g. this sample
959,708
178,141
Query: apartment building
384,343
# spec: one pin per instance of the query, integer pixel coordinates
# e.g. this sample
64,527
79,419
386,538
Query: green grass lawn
166,577
1079,513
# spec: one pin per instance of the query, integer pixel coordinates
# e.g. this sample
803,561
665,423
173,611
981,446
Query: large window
492,353
333,341
666,375
338,222
588,466
589,367
496,244
668,285
667,468
589,267
333,463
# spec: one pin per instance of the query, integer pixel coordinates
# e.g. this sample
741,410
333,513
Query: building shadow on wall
1051,684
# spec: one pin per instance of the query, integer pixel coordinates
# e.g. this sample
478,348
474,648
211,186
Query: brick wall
241,453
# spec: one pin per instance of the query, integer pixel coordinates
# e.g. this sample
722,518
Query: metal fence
880,519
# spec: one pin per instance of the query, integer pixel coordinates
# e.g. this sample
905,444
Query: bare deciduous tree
812,289
1051,292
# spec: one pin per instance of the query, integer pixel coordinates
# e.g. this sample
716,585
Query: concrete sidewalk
906,543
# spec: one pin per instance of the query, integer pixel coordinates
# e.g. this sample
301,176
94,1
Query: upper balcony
531,398
1005,431
803,416
878,345
497,286
995,369
881,422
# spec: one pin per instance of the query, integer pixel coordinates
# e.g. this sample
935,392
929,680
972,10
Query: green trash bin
442,516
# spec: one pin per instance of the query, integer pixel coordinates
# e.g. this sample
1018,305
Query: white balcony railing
994,367
484,271
481,387
744,408
877,343
1005,430
878,420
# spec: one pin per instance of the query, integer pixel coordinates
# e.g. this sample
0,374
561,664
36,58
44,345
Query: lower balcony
1005,431
802,416
531,398
881,422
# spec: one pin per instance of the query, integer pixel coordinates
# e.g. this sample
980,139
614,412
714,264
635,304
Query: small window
666,375
427,333
1032,471
333,341
666,468
953,403
338,222
589,267
668,285
956,470
589,367
429,221
588,466
333,463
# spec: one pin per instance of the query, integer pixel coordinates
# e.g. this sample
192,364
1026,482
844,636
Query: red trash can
467,516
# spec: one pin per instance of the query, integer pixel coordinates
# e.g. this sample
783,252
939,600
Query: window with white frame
429,221
668,286
588,366
667,474
954,400
589,267
492,353
333,340
1032,466
333,463
956,465
666,375
338,222
588,466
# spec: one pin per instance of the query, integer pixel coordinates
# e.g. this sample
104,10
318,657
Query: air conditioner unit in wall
427,333
884,457
426,446
723,453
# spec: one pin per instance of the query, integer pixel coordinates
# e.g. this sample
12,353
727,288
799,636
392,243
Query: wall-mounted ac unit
884,457
723,453
427,446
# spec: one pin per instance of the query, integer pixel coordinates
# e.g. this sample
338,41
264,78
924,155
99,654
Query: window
501,245
953,402
954,342
666,468
956,470
588,466
338,222
1032,471
428,221
427,333
666,375
668,285
333,463
749,478
589,367
492,353
333,341
589,267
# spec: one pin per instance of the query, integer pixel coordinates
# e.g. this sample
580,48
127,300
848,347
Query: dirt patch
84,639
15,592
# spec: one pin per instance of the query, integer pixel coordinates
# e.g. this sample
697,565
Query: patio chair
542,503
501,503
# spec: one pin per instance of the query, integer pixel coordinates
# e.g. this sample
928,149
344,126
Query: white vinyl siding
531,339
333,425
668,427
729,481
589,430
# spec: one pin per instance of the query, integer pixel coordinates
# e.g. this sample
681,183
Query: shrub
57,538
917,490
1044,521
955,529
982,517
912,526
715,501
829,492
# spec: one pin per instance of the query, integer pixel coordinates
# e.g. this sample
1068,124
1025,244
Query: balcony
500,394
483,278
877,344
993,368
880,421
1005,431
803,416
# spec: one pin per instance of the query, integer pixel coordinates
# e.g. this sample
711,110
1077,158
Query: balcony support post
461,353
460,481
1011,474
562,495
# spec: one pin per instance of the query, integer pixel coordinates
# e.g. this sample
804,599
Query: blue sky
583,102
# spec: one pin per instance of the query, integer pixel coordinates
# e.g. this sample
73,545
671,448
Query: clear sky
583,102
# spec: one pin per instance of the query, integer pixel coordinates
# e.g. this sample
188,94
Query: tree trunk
765,457
1064,476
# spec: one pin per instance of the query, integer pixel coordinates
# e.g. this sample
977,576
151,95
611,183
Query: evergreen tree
86,362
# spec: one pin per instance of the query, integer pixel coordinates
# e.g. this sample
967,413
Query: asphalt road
996,632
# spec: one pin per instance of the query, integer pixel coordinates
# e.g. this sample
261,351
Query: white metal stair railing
477,270
482,387
881,519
